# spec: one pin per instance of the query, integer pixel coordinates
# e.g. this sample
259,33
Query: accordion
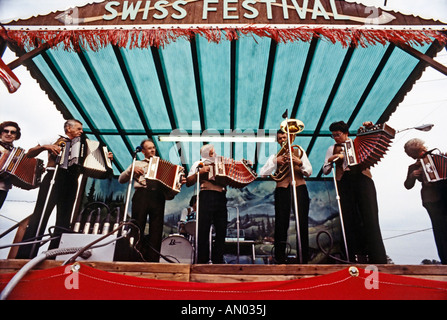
236,174
23,171
369,146
89,156
162,173
434,167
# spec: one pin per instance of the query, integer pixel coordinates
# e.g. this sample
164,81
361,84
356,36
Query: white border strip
204,138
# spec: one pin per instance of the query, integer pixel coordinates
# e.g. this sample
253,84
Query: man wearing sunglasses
10,132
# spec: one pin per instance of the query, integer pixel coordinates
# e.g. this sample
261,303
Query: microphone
87,223
117,222
199,166
97,222
77,224
335,160
106,226
137,149
62,145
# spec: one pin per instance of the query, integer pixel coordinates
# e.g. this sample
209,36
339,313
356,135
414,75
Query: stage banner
156,23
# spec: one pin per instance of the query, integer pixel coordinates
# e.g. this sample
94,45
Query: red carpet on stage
87,283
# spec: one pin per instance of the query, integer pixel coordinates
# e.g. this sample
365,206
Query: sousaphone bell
291,126
295,126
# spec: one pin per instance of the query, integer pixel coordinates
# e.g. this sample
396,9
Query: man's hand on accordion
52,149
138,171
204,169
368,124
417,173
336,157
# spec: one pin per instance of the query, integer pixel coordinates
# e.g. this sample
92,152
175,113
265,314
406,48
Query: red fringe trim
143,38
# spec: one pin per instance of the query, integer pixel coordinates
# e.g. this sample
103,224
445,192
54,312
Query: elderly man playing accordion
433,193
212,207
63,191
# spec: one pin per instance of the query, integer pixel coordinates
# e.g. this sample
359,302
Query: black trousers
3,194
360,212
146,202
438,216
62,197
283,204
212,211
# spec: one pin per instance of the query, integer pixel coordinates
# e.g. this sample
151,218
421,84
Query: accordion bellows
88,156
23,171
370,145
162,173
434,167
236,174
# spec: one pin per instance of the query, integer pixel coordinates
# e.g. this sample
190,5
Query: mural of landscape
254,204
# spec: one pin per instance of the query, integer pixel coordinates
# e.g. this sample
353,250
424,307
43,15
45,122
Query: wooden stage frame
231,273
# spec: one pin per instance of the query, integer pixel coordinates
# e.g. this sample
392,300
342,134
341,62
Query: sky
405,224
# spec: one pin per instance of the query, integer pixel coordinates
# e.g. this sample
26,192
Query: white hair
205,151
413,147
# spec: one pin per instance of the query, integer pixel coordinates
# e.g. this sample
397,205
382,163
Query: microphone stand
238,231
78,192
196,239
339,208
50,190
129,187
295,200
210,245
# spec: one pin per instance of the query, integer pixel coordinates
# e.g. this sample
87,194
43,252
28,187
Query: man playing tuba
279,164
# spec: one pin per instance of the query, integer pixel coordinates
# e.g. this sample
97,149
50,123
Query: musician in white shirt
358,201
9,132
146,201
63,191
284,195
212,208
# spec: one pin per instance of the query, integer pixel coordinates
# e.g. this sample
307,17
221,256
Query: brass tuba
294,126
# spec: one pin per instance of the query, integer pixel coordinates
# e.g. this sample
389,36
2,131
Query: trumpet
291,126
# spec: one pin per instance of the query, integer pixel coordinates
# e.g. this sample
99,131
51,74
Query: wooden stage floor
232,272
